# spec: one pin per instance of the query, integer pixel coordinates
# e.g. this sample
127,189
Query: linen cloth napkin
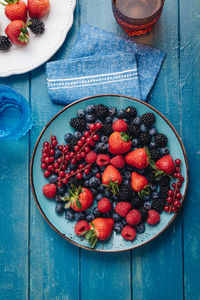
100,53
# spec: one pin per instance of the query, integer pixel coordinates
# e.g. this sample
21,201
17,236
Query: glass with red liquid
137,17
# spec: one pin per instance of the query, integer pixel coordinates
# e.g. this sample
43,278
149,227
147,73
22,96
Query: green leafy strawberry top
73,197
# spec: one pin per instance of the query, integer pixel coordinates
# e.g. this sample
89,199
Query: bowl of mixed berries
109,173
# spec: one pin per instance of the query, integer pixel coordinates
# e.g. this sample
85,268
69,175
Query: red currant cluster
174,196
82,147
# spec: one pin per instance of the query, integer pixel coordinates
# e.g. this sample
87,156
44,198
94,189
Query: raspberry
49,190
153,217
119,125
128,233
148,119
122,208
118,161
91,157
104,205
103,159
81,227
133,217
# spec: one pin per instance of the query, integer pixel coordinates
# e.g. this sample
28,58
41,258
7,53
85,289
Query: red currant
182,179
178,162
47,160
62,174
44,155
60,147
45,150
65,149
86,171
57,170
79,176
73,161
98,125
78,156
89,140
45,144
72,173
86,134
174,209
54,143
43,160
179,184
76,148
83,139
50,168
95,137
175,175
43,166
51,159
87,149
67,157
169,200
177,169
80,143
92,144
51,152
59,160
92,127
56,165
59,183
59,178
83,154
166,208
71,154
98,175
64,167
53,137
177,203
170,193
65,180
46,173
178,196
174,185
81,166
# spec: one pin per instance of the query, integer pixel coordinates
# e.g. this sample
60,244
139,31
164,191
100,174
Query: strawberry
119,143
103,160
104,205
81,227
139,184
38,8
49,190
91,157
118,161
122,208
100,229
111,178
79,198
137,158
17,32
119,125
166,164
15,10
133,217
128,233
153,217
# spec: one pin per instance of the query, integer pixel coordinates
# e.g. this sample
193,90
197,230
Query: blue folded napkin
69,80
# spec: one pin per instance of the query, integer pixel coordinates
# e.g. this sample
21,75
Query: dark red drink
137,17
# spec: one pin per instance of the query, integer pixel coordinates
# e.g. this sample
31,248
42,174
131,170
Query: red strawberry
38,8
166,164
81,227
100,229
104,205
137,158
91,157
138,182
103,160
119,143
112,178
133,217
122,208
118,161
153,217
128,233
49,190
79,198
119,125
15,10
17,32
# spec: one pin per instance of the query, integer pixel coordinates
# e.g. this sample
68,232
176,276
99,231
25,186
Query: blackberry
107,129
148,119
78,123
158,205
151,177
155,154
75,181
124,193
163,191
73,142
133,131
4,43
101,111
165,181
160,140
36,26
137,202
144,138
144,213
130,112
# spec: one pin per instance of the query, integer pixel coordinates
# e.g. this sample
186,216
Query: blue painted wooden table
37,263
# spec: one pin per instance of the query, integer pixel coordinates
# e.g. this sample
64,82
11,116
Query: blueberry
164,151
137,121
89,108
72,166
121,114
107,194
58,198
96,212
155,195
118,227
90,217
124,222
114,198
79,215
62,190
135,142
68,137
140,228
80,113
101,147
53,178
130,168
99,197
146,197
95,170
89,118
114,204
59,208
153,131
78,134
153,187
94,191
57,153
86,183
67,171
143,128
101,188
86,176
116,217
115,119
94,182
141,171
69,214
109,119
112,111
147,204
107,215
152,145
102,168
126,182
104,139
127,174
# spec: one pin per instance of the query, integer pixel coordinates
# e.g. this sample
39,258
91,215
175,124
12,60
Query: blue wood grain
190,131
14,206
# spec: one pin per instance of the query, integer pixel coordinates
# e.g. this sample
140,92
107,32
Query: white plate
21,59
